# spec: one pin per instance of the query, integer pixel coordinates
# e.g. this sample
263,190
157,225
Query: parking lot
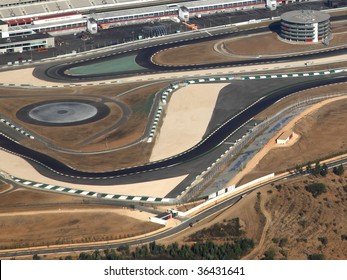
80,42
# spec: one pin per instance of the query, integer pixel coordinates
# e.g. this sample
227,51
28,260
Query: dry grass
39,218
139,98
59,226
320,136
267,44
301,219
280,211
302,95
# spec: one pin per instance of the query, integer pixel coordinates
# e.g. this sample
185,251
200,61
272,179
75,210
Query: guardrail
201,181
205,177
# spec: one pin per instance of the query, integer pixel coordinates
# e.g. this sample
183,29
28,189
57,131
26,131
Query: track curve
213,140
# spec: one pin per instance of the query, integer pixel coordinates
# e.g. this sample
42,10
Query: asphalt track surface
214,139
60,171
143,58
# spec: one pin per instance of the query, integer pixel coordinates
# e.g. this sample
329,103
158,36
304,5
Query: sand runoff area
188,114
187,117
189,107
19,167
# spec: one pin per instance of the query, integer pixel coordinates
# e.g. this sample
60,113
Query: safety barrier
201,180
91,194
18,129
291,75
206,176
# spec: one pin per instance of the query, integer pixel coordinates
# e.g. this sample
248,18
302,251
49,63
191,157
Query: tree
317,168
96,255
269,254
124,250
36,257
324,170
316,257
309,167
110,254
324,240
298,169
316,189
339,170
283,242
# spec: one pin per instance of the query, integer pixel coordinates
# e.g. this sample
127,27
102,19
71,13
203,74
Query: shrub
316,189
316,257
283,242
324,240
269,254
339,170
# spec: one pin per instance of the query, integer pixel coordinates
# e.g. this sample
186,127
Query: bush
339,170
324,240
316,189
316,257
269,254
283,242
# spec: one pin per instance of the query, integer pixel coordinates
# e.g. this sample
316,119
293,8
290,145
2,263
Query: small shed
285,137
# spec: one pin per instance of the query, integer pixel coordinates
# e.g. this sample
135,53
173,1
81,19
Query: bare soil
299,220
301,96
236,49
38,218
320,136
270,44
4,187
139,98
293,214
65,227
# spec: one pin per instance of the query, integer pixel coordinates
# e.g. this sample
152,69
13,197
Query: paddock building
56,16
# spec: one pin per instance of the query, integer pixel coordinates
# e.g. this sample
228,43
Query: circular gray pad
63,112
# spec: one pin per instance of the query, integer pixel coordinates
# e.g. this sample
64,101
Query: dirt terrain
138,97
289,220
319,136
240,48
269,44
38,218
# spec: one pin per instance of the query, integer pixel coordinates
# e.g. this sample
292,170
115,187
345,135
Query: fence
205,177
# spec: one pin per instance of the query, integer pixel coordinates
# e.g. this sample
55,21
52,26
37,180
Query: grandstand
16,9
58,17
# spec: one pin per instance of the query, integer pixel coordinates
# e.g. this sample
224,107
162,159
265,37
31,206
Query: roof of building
18,39
285,135
305,16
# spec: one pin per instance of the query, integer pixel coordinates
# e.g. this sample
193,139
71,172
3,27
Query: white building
183,13
285,137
